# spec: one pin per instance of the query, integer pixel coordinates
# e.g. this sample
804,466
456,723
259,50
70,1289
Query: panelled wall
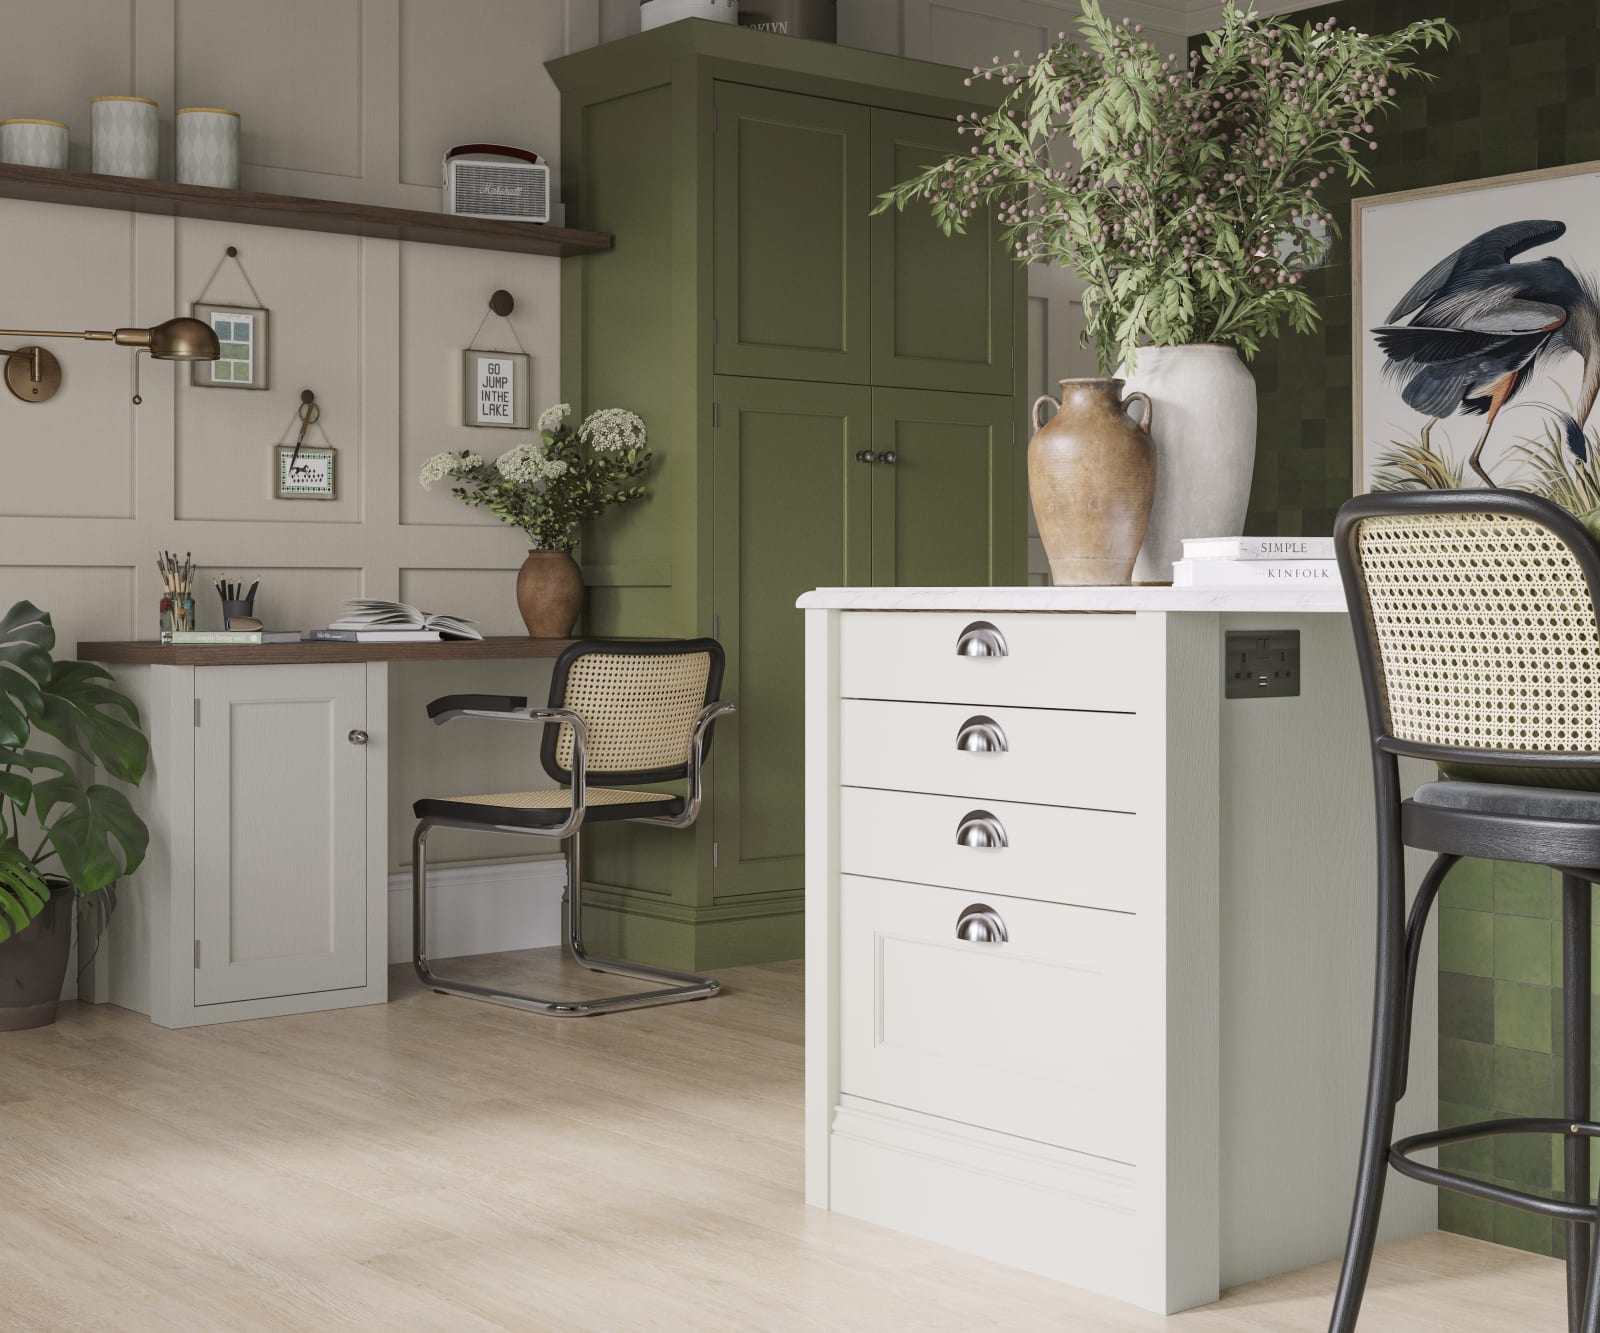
350,99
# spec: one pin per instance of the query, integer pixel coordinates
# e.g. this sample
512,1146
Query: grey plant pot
33,963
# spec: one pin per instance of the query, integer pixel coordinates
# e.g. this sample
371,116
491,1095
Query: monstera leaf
26,638
23,893
82,712
97,835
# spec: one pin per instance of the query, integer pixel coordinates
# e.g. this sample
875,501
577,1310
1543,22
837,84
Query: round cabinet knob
889,456
981,735
357,737
981,639
981,924
981,829
866,456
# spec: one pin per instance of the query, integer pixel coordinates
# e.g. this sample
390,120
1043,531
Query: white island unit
1089,946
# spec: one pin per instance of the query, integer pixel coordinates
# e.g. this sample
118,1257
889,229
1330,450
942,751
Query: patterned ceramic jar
127,138
208,147
33,143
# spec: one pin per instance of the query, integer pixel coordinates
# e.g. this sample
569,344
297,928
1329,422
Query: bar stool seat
547,808
1493,798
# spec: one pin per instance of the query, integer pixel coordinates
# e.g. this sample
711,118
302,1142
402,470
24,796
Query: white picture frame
244,337
314,476
494,389
1395,241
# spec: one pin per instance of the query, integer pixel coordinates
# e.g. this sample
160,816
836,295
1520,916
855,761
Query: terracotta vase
1091,477
549,593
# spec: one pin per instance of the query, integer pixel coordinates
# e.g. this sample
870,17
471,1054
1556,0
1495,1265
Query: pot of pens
177,595
237,604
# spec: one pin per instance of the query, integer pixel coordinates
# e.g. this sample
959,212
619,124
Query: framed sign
494,388
1472,310
311,476
242,335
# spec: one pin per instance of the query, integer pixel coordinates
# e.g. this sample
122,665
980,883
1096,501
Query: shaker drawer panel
1044,660
1037,1035
1045,756
1089,857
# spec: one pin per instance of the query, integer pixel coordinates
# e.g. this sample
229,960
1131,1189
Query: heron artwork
1472,331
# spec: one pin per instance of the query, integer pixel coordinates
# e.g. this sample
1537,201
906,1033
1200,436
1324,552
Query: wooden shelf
170,199
147,652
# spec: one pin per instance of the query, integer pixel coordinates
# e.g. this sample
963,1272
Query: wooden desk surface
151,653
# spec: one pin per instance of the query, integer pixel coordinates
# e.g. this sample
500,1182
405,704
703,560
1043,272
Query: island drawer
1038,660
1036,1035
1045,756
1092,858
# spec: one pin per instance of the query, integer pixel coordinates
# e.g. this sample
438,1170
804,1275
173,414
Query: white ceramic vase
1204,426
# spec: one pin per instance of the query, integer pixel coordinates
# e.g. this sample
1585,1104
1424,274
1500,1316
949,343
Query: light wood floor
438,1164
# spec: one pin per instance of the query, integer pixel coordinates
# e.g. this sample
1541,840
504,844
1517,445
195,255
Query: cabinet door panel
942,306
791,515
944,514
791,236
280,831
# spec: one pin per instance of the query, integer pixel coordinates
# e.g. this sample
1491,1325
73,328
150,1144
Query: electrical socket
1261,664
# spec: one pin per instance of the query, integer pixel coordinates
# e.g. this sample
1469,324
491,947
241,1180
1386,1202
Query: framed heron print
1477,336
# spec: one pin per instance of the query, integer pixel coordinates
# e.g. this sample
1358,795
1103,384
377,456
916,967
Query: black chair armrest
455,705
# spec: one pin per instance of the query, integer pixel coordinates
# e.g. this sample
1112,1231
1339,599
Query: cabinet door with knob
280,830
944,502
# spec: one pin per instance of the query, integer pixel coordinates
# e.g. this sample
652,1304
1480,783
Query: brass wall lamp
33,374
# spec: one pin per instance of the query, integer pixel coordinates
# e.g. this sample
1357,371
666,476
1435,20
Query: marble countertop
1147,598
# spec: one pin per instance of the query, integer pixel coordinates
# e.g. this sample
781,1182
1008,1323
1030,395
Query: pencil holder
231,607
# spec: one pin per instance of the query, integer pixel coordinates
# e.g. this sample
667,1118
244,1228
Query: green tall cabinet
833,398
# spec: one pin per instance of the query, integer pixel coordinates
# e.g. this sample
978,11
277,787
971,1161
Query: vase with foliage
1185,196
62,840
548,488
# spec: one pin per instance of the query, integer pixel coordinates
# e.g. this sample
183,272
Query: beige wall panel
461,758
311,284
86,45
288,598
444,293
291,69
513,100
71,456
84,601
487,596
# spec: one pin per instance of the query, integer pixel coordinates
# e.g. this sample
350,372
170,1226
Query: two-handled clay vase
1091,476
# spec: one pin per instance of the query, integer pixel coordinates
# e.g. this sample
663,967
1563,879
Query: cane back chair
622,713
1475,623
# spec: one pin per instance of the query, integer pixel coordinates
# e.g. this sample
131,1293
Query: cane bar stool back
622,713
1474,616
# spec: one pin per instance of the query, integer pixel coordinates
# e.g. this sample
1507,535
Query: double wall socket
1261,664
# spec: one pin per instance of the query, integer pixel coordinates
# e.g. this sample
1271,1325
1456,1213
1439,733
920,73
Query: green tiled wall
1517,91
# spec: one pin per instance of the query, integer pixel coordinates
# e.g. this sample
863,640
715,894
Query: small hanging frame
242,333
495,384
301,471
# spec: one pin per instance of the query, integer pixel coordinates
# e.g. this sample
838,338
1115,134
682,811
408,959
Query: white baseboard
481,909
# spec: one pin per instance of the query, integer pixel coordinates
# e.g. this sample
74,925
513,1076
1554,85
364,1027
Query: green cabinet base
619,924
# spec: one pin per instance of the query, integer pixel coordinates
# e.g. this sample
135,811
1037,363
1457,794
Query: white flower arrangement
550,419
529,465
612,430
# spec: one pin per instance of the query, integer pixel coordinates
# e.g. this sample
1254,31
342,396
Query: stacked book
1256,562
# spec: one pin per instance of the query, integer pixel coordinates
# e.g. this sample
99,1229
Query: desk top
148,652
1327,598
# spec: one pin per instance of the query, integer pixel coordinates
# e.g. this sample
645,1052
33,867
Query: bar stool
622,712
1477,626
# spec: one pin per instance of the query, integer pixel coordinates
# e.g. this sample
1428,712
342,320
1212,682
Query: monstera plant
51,821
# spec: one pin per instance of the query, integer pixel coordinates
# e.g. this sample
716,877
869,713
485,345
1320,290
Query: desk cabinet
265,888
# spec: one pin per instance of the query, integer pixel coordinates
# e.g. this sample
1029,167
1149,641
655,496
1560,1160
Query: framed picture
494,388
242,335
311,476
1477,332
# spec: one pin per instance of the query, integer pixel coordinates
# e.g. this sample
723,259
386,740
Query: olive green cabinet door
790,514
790,236
943,307
945,504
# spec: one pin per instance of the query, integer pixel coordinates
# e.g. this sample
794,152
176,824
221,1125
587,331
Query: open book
372,618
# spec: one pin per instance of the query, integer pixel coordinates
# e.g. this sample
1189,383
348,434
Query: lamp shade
184,339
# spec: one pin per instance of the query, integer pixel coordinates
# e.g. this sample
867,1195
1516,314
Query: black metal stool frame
1570,847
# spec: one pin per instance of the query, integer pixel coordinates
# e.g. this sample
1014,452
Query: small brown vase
1091,476
549,593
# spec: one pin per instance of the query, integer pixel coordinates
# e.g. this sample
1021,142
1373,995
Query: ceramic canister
33,143
208,147
126,136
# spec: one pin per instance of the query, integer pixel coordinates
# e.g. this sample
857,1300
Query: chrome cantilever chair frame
680,986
